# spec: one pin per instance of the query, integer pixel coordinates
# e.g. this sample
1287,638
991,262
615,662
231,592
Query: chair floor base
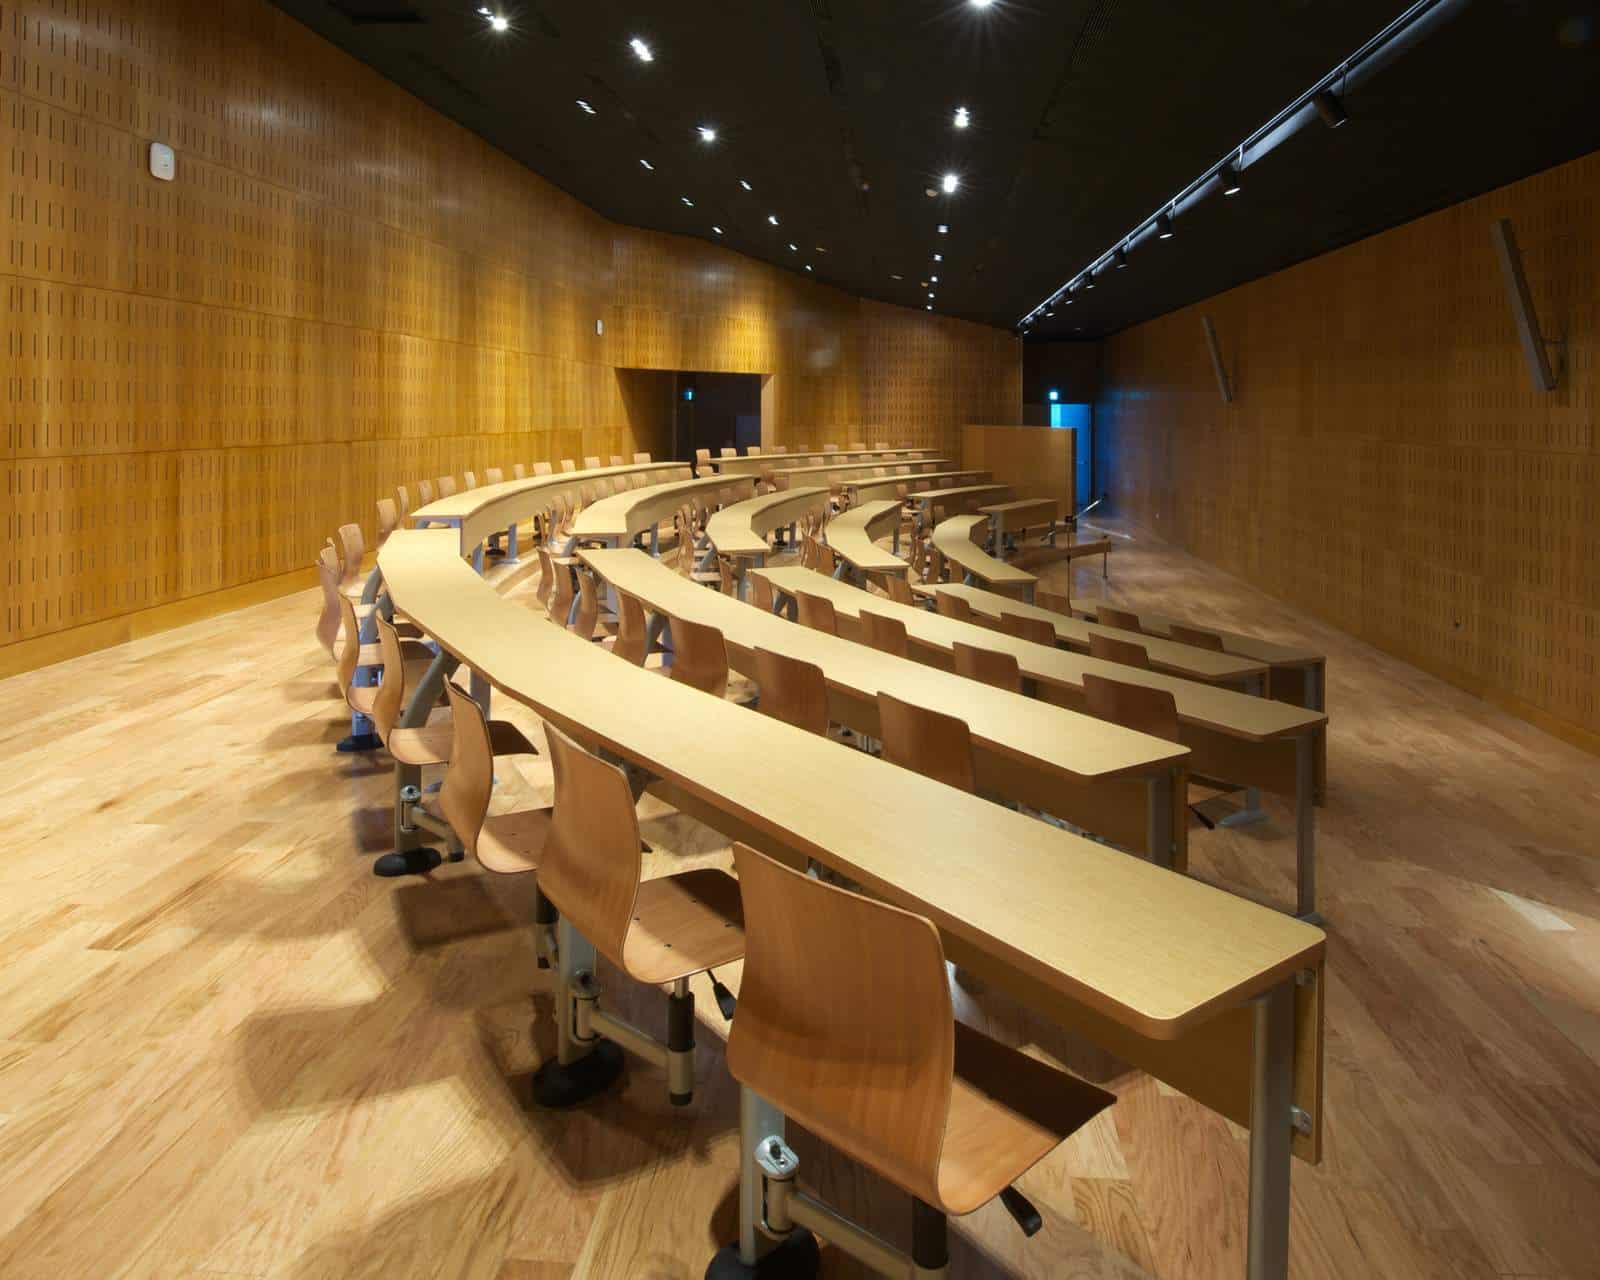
407,862
795,1257
359,742
560,1085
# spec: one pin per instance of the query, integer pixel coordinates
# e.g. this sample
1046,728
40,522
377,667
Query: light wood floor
227,1050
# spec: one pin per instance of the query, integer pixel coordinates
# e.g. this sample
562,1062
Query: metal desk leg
655,541
410,856
1271,1097
1158,819
481,689
511,546
1305,819
580,1070
1252,811
477,559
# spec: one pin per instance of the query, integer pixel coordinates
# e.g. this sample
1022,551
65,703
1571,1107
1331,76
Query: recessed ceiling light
707,133
794,248
944,230
930,295
897,277
808,266
1164,226
820,249
687,201
938,257
935,279
1120,258
962,118
641,50
718,230
950,182
929,307
500,23
587,109
745,185
981,4
1232,184
772,218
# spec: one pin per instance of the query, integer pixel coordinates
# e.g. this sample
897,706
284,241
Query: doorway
715,411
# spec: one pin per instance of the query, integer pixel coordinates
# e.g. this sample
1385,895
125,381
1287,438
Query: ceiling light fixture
1088,279
717,229
587,109
897,277
641,50
963,118
794,248
944,229
688,202
745,185
1228,175
1120,259
648,165
1163,226
772,218
950,183
808,266
935,279
500,23
707,133
1329,108
981,4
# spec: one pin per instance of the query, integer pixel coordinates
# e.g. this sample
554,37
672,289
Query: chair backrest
830,448
858,446
699,657
588,611
559,602
617,460
792,690
1127,652
633,635
1025,627
590,864
446,485
885,634
591,462
761,593
352,548
702,455
547,576
424,492
543,469
928,742
1152,711
728,452
952,606
817,612
989,666
1121,619
1054,603
493,475
779,448
469,480
827,562
518,471
871,1074
388,519
641,457
350,655
567,464
808,551
402,501
899,588
389,701
1193,636
330,619
469,778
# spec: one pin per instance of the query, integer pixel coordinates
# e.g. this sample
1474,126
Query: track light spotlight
1329,108
1229,177
1088,279
1120,259
1163,226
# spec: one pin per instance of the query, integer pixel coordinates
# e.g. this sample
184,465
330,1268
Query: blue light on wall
1075,416
688,393
1053,395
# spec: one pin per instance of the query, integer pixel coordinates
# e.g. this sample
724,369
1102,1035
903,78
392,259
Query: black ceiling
1086,116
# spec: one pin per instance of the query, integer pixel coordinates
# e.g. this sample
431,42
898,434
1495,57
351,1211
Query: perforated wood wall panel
1387,463
341,291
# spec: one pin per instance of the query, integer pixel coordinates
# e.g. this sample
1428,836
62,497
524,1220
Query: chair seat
683,925
1007,1112
362,696
430,743
513,842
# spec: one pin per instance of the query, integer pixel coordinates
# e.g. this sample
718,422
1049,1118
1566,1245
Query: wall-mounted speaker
1216,360
1533,343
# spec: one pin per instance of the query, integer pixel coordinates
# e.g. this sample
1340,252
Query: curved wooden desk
853,534
1194,985
786,477
958,498
955,538
495,508
1255,742
1014,518
1102,777
741,529
1181,660
623,516
870,490
753,464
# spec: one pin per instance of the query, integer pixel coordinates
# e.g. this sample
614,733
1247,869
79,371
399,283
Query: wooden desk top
1180,660
928,497
953,538
1028,506
623,515
751,464
1063,742
1275,655
852,534
1155,952
1237,715
741,528
787,476
862,490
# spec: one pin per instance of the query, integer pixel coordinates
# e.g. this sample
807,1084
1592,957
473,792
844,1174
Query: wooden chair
990,666
817,612
885,634
1199,639
493,475
702,463
361,696
388,519
329,619
446,486
641,457
952,606
1126,652
469,481
352,551
567,464
1121,619
632,641
658,932
543,469
592,462
586,615
617,460
827,562
927,742
563,597
1049,600
424,492
699,657
729,583
809,553
899,589
402,502
792,690
1025,627
884,1074
858,446
761,593
728,451
830,448
1152,711
518,471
